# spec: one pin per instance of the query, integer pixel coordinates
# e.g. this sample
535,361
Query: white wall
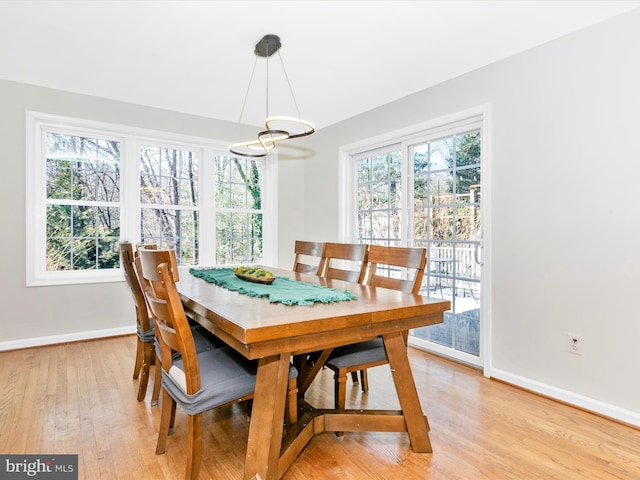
565,125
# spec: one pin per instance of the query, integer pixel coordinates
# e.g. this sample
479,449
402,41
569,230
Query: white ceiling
342,57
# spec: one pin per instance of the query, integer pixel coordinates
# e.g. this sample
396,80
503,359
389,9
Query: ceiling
342,58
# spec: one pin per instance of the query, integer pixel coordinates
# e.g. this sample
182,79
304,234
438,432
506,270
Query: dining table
274,333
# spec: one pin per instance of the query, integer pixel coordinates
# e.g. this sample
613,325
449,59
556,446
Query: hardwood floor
79,398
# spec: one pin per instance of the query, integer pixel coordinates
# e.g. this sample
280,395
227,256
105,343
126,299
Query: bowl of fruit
255,275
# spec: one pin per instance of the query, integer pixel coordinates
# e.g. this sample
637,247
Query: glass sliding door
423,188
446,221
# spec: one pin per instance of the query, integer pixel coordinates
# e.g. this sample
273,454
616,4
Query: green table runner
282,290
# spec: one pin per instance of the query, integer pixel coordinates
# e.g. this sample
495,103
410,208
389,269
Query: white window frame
130,207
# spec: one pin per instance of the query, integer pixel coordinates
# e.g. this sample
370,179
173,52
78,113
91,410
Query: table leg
417,425
308,370
267,417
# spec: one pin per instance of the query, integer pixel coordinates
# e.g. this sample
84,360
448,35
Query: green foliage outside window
238,206
447,186
83,176
379,198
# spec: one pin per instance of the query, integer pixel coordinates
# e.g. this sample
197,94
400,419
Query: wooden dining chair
340,261
345,261
147,347
308,257
196,382
145,352
396,268
348,262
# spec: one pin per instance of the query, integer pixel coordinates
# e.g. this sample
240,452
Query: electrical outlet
574,344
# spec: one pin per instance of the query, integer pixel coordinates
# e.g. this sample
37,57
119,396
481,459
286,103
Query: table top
257,328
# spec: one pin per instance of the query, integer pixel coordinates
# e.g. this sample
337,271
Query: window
379,197
170,214
82,201
89,185
238,210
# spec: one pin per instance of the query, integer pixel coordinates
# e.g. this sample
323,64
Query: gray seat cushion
146,336
225,376
358,354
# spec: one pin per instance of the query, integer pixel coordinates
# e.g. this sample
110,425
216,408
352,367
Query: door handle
476,254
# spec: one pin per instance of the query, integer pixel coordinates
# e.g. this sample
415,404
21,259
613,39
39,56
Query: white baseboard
590,404
68,337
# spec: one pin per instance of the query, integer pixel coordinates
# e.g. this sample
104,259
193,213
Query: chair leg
249,404
144,371
194,447
354,377
168,406
340,392
364,380
291,408
172,421
157,382
341,389
138,361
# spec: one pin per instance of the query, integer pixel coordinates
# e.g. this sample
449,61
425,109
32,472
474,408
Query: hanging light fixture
277,128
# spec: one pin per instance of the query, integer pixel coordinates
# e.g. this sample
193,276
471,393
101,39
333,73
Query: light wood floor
80,399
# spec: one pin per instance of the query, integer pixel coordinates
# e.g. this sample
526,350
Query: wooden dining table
274,333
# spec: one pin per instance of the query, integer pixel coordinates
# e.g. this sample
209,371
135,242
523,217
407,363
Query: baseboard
66,338
610,411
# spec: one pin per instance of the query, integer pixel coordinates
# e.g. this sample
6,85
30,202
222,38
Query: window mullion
407,210
130,188
207,182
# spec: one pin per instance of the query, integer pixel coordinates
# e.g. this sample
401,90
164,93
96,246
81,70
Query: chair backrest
144,283
141,245
345,261
142,313
380,257
159,268
308,252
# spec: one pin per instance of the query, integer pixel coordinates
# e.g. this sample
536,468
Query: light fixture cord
267,100
289,83
246,95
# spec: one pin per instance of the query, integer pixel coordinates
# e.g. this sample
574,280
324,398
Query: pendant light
277,128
